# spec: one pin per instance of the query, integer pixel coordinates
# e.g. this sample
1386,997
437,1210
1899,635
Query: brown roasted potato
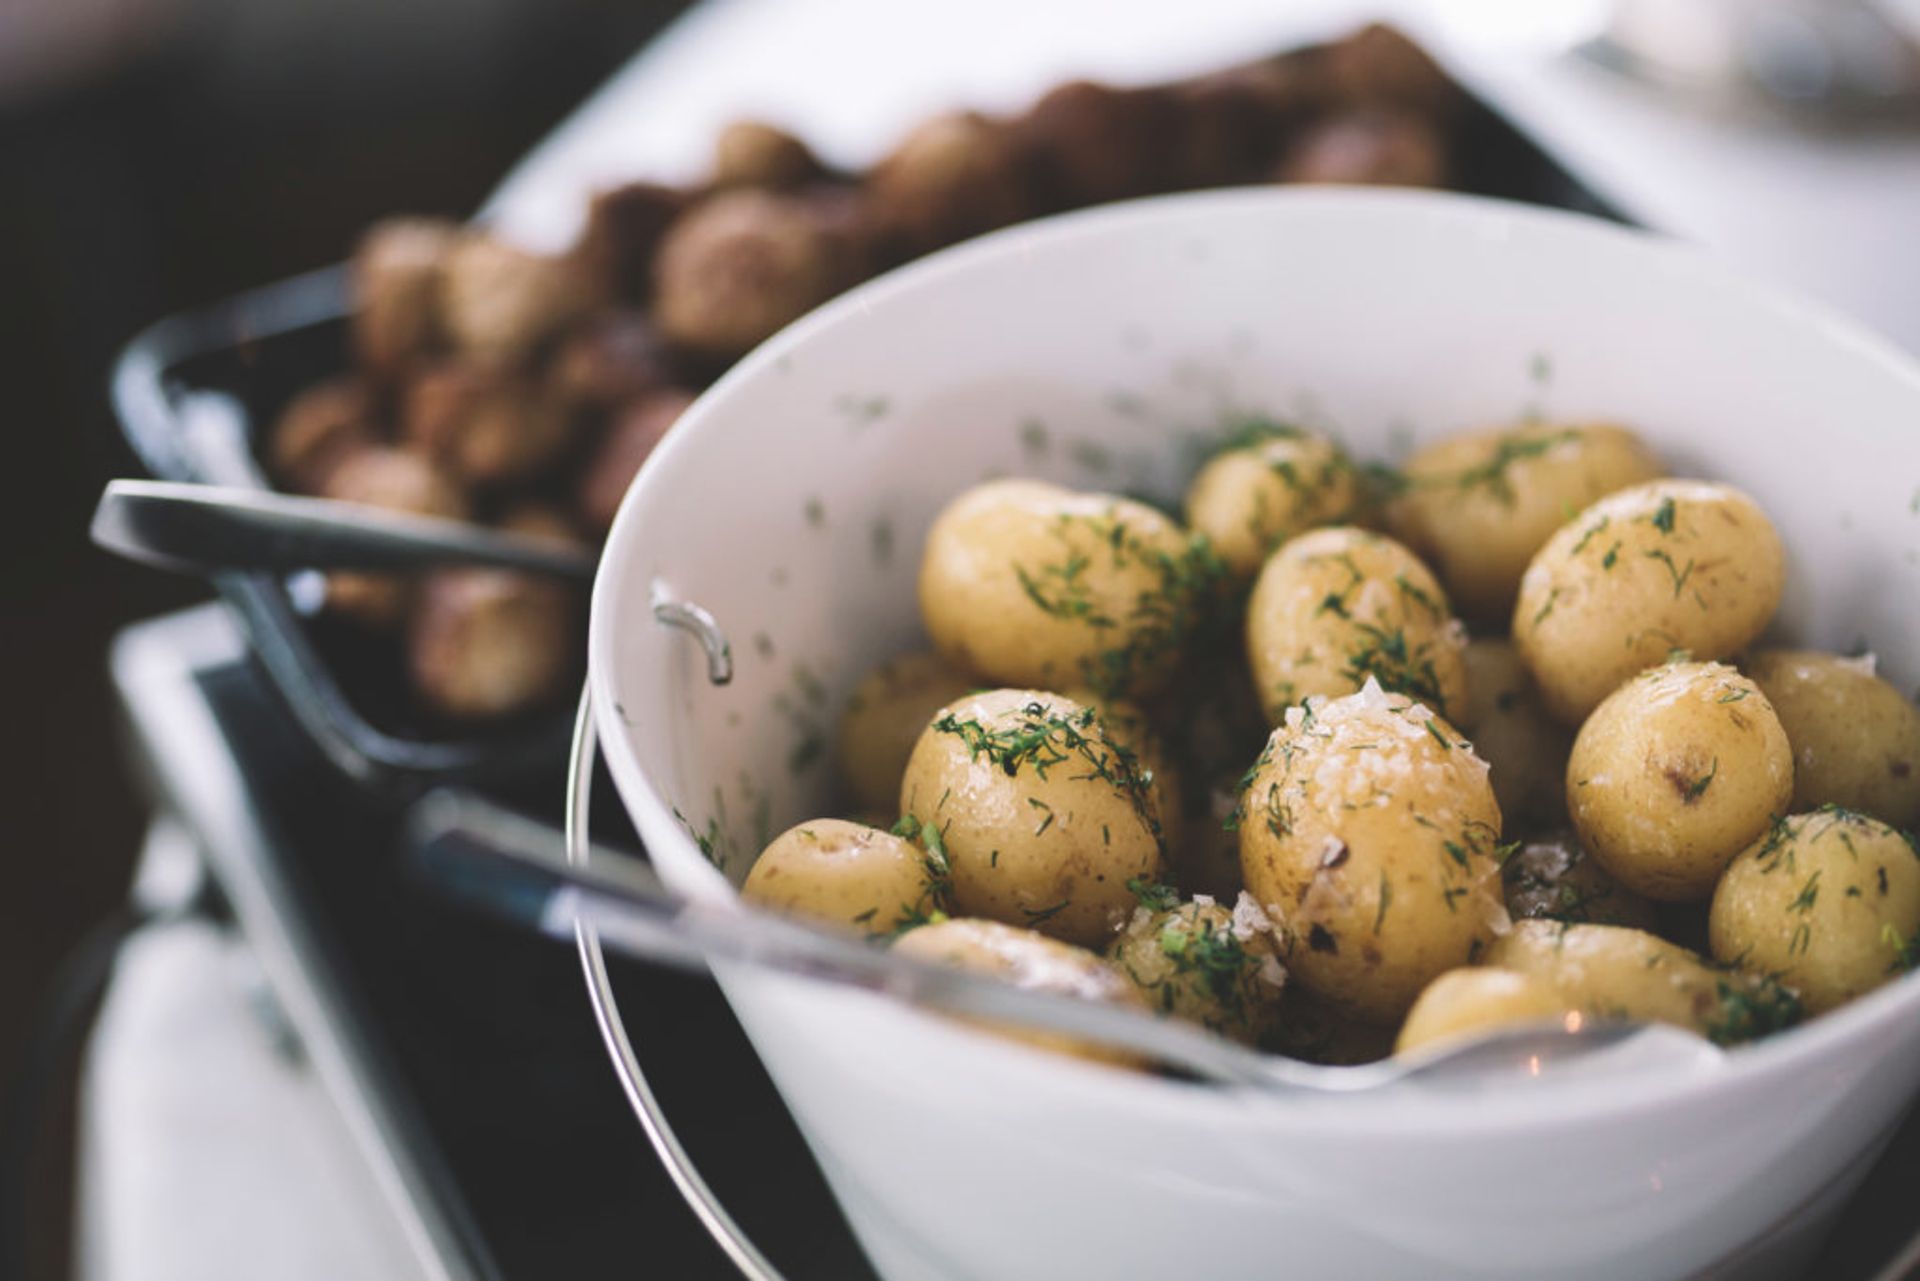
502,305
396,279
1380,65
623,228
1094,143
617,459
487,643
486,427
609,361
753,153
319,427
740,265
1372,148
397,480
955,176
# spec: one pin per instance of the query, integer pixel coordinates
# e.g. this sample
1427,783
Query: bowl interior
1103,350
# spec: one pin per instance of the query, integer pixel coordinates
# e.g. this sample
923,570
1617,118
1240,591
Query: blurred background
160,154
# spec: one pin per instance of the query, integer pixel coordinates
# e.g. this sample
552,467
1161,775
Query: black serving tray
257,349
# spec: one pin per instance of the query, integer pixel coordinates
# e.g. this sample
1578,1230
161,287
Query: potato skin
1670,565
1338,605
1027,583
1368,832
1477,999
1250,499
1552,879
1675,773
1477,506
1856,739
1043,816
1130,727
1525,748
885,716
1608,971
849,875
1197,961
1029,960
485,643
1829,902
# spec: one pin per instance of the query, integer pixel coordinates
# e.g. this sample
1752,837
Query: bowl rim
619,572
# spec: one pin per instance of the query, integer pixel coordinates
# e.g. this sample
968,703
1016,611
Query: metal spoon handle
213,528
517,868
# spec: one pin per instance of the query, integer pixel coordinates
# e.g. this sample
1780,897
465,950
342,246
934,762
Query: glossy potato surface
1249,499
1367,832
1030,584
1856,739
1477,999
1336,606
1673,565
1042,815
1675,773
848,874
1610,971
1525,748
1477,506
1828,901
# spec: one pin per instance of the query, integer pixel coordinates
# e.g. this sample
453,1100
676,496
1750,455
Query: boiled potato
1130,727
1525,748
1028,960
1554,880
1477,999
1856,739
883,720
1202,962
1478,506
1671,565
1828,901
1675,773
1337,606
1030,584
1251,498
1043,816
1609,971
1368,831
848,874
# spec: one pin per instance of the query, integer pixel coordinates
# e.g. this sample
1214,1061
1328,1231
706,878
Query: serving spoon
208,529
516,868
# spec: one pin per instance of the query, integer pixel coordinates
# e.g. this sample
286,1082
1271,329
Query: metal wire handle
606,1012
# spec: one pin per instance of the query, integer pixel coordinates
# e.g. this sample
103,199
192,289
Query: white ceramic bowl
791,502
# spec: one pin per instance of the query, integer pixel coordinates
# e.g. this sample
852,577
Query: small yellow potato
1675,773
1130,727
1337,606
1674,565
1368,832
848,874
1609,971
1043,816
1525,748
1476,999
1250,498
1828,902
889,708
1477,506
1202,962
1028,960
1027,583
1552,879
1856,739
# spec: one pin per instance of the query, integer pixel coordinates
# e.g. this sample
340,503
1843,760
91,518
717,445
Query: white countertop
1833,216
